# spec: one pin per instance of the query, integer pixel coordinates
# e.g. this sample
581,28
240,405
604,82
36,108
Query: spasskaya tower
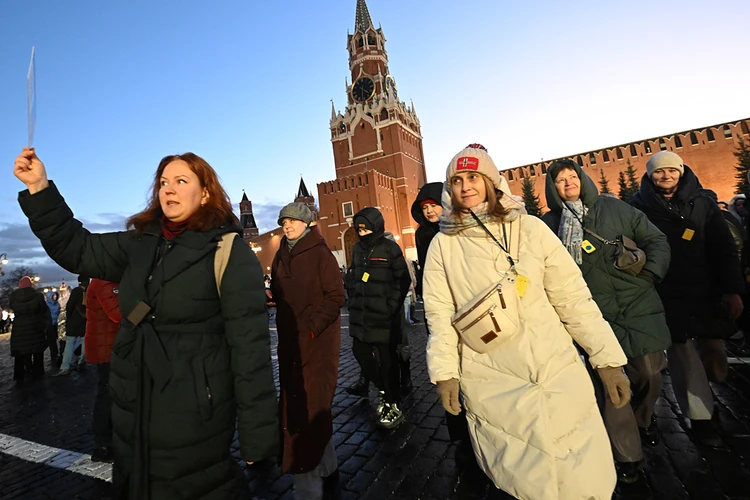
377,148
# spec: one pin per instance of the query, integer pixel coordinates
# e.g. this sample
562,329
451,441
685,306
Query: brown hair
216,212
494,207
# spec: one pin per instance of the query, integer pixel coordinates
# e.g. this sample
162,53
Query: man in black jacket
376,314
701,291
75,326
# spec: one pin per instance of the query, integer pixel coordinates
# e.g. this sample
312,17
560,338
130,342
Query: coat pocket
202,389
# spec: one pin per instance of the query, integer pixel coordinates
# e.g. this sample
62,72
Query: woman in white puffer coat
533,420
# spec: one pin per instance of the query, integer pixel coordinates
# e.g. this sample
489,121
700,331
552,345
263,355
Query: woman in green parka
629,303
190,360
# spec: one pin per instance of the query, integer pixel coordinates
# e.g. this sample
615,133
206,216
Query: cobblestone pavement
414,461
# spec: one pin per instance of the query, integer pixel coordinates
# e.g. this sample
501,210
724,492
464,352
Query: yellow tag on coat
365,277
688,234
588,247
522,283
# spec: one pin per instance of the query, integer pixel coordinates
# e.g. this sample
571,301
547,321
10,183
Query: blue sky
247,85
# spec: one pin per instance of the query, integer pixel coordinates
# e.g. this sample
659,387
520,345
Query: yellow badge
522,283
688,234
588,247
365,277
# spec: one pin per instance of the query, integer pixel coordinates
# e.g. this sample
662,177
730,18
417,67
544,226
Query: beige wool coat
533,419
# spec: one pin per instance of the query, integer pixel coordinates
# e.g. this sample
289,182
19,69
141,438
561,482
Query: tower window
384,115
647,147
370,39
360,42
710,135
633,151
693,139
662,144
510,175
619,153
605,156
727,132
348,209
592,158
677,141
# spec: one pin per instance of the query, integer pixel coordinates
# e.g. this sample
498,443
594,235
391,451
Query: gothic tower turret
247,219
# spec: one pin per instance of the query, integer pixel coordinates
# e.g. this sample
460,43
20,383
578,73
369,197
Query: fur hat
665,159
297,211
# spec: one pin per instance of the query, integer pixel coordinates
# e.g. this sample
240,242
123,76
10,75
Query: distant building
708,151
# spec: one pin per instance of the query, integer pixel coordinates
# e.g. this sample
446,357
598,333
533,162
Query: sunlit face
293,228
666,179
431,211
568,185
469,188
180,194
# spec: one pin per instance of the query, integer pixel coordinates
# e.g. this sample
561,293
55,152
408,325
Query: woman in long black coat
309,293
190,360
28,339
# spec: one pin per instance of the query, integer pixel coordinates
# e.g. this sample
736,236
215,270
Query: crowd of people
547,337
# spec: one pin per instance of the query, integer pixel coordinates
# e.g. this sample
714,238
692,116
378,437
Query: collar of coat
193,239
688,189
310,240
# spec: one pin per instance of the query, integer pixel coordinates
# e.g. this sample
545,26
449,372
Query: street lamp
256,248
36,279
3,261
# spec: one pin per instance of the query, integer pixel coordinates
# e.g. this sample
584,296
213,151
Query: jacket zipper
364,311
497,288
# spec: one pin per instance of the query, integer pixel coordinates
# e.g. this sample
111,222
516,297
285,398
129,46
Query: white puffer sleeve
442,344
571,298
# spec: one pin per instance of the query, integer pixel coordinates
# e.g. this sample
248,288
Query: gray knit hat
298,211
665,159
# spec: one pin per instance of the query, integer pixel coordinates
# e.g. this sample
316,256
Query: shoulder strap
512,247
221,259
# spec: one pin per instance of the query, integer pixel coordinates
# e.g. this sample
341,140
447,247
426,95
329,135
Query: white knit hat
474,157
664,159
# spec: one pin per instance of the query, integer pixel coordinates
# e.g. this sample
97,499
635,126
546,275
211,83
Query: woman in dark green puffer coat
189,361
629,303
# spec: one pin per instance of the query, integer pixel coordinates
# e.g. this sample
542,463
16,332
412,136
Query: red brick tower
377,147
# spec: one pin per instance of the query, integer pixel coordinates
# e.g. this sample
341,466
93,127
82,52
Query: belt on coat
154,372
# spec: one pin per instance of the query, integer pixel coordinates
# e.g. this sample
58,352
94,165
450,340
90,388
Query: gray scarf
451,224
291,243
570,231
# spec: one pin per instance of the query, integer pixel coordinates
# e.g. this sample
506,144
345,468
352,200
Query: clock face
363,89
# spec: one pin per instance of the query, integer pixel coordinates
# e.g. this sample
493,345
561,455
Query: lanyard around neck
505,238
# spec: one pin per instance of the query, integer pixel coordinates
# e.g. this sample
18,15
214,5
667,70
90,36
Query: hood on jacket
25,282
430,191
372,220
732,206
589,191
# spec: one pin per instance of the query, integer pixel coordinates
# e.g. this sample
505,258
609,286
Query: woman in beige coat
533,419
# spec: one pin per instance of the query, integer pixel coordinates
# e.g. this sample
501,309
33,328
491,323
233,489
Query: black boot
331,487
359,388
405,368
705,433
650,435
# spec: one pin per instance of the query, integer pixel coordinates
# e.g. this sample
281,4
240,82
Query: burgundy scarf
172,229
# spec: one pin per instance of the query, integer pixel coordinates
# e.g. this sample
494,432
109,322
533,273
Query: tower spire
363,20
333,111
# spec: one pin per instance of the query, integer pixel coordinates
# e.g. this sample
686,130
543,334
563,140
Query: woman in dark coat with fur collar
309,293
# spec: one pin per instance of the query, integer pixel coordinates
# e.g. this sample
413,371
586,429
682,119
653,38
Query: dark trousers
380,364
52,342
36,361
622,424
102,424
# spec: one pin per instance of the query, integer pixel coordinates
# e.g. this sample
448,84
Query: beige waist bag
491,317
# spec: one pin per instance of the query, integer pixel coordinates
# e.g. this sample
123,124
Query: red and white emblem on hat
467,163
